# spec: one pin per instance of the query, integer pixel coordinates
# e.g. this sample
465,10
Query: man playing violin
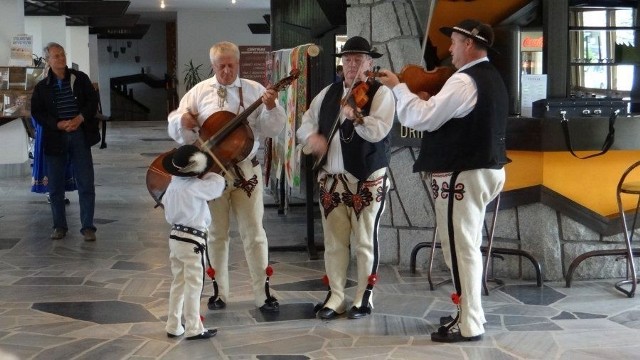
226,91
351,174
462,156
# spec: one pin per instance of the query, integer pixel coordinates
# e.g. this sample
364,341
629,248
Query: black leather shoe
452,337
446,320
358,313
270,306
327,314
207,334
216,303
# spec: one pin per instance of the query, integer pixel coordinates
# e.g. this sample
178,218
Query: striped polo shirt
65,101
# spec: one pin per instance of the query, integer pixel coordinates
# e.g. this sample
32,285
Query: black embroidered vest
361,158
476,141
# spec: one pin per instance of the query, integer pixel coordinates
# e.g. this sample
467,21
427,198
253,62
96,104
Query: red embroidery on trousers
457,191
247,185
329,199
435,189
363,196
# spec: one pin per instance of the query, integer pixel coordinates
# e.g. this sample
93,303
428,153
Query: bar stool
630,188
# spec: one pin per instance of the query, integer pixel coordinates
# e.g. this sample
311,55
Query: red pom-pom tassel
211,272
373,279
201,318
269,270
325,280
455,298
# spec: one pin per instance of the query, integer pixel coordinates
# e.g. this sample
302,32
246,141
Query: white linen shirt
185,201
375,127
456,99
203,100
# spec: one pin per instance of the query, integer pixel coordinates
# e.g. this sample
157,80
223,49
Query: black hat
187,161
480,32
358,45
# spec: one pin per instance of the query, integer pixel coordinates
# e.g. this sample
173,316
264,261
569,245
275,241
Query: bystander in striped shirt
66,102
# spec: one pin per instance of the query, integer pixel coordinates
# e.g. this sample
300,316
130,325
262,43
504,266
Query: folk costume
462,157
244,194
185,208
353,185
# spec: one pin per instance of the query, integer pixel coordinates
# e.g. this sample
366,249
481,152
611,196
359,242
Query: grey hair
47,48
223,48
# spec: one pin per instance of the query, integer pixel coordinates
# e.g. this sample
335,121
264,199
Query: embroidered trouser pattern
460,202
351,213
244,199
187,261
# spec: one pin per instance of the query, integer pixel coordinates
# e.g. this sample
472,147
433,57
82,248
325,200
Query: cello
225,136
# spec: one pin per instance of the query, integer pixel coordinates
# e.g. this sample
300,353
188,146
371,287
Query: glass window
600,40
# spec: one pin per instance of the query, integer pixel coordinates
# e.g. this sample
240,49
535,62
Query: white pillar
11,23
78,48
46,29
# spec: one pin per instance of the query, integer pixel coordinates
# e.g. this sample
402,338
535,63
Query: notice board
253,62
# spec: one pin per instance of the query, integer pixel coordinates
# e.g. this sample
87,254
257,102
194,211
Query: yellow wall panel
524,170
591,182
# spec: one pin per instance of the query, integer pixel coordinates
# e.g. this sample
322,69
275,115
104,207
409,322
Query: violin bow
432,7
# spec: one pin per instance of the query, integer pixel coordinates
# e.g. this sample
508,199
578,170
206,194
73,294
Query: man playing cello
226,91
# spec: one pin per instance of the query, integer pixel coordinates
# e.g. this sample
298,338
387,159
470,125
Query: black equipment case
569,109
579,107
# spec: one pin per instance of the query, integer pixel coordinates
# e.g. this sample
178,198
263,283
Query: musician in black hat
462,157
351,144
186,209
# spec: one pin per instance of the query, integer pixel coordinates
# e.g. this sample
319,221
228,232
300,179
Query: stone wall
396,31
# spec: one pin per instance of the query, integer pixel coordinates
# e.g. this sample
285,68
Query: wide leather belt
189,230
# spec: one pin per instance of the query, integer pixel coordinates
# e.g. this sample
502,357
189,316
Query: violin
357,98
420,79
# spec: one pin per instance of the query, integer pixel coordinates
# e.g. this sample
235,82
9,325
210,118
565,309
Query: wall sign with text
253,63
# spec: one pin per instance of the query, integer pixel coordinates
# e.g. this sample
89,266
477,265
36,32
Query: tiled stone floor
70,299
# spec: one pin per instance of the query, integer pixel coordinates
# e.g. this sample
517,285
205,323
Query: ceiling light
162,4
233,1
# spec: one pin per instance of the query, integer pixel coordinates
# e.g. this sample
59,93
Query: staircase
124,105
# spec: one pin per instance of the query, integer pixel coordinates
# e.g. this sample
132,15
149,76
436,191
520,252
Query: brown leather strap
241,104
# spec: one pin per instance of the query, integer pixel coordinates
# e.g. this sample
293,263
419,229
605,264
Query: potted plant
191,75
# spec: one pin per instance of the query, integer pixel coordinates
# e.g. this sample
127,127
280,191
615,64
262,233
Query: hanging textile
285,166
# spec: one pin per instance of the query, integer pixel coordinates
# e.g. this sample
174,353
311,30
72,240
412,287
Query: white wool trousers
244,199
186,288
351,213
461,199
